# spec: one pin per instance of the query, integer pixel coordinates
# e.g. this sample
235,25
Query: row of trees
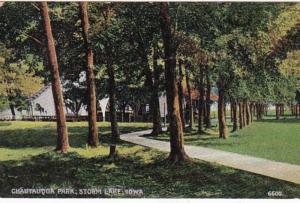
122,49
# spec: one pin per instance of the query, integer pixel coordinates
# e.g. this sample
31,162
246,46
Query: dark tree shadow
191,180
46,136
3,123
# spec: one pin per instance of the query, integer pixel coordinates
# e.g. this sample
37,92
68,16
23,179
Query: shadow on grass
4,123
285,121
43,137
191,180
205,139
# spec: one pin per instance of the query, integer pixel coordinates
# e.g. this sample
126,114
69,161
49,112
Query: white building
44,99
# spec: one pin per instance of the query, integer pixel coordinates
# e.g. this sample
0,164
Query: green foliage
237,38
17,80
286,20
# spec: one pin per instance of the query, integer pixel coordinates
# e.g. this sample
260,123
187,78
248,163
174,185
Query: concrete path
274,169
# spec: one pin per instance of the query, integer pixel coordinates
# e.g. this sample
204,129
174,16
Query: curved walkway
274,169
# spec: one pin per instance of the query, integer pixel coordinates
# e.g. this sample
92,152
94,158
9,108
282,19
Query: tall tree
190,99
112,110
201,99
177,153
180,92
62,132
157,129
234,115
93,139
207,98
223,132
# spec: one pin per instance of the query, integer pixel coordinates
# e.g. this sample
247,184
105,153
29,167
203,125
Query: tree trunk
156,130
251,112
277,111
234,116
93,139
180,93
225,109
123,113
150,86
12,109
190,99
112,111
231,112
62,132
240,115
247,112
200,115
201,101
257,109
221,114
243,114
260,111
207,100
177,153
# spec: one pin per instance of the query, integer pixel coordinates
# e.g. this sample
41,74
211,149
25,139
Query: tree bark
62,144
234,116
221,114
240,115
247,112
157,129
180,93
231,112
200,101
207,101
115,134
93,139
225,109
12,109
177,153
260,111
190,99
124,112
243,114
277,111
251,112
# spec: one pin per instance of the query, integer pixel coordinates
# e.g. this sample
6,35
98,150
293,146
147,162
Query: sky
1,3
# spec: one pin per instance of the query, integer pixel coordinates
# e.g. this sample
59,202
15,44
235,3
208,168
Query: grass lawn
271,139
27,160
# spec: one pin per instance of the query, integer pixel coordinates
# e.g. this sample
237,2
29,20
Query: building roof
195,94
37,94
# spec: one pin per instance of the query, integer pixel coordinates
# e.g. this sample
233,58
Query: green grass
27,160
271,139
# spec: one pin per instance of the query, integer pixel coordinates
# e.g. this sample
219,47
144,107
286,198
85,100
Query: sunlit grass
271,139
27,160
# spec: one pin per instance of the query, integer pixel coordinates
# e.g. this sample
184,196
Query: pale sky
1,3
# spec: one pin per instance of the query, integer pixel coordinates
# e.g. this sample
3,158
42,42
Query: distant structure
41,107
195,97
42,104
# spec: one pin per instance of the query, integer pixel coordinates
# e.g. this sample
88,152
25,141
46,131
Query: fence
121,117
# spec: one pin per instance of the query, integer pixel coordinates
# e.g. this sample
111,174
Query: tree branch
35,39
